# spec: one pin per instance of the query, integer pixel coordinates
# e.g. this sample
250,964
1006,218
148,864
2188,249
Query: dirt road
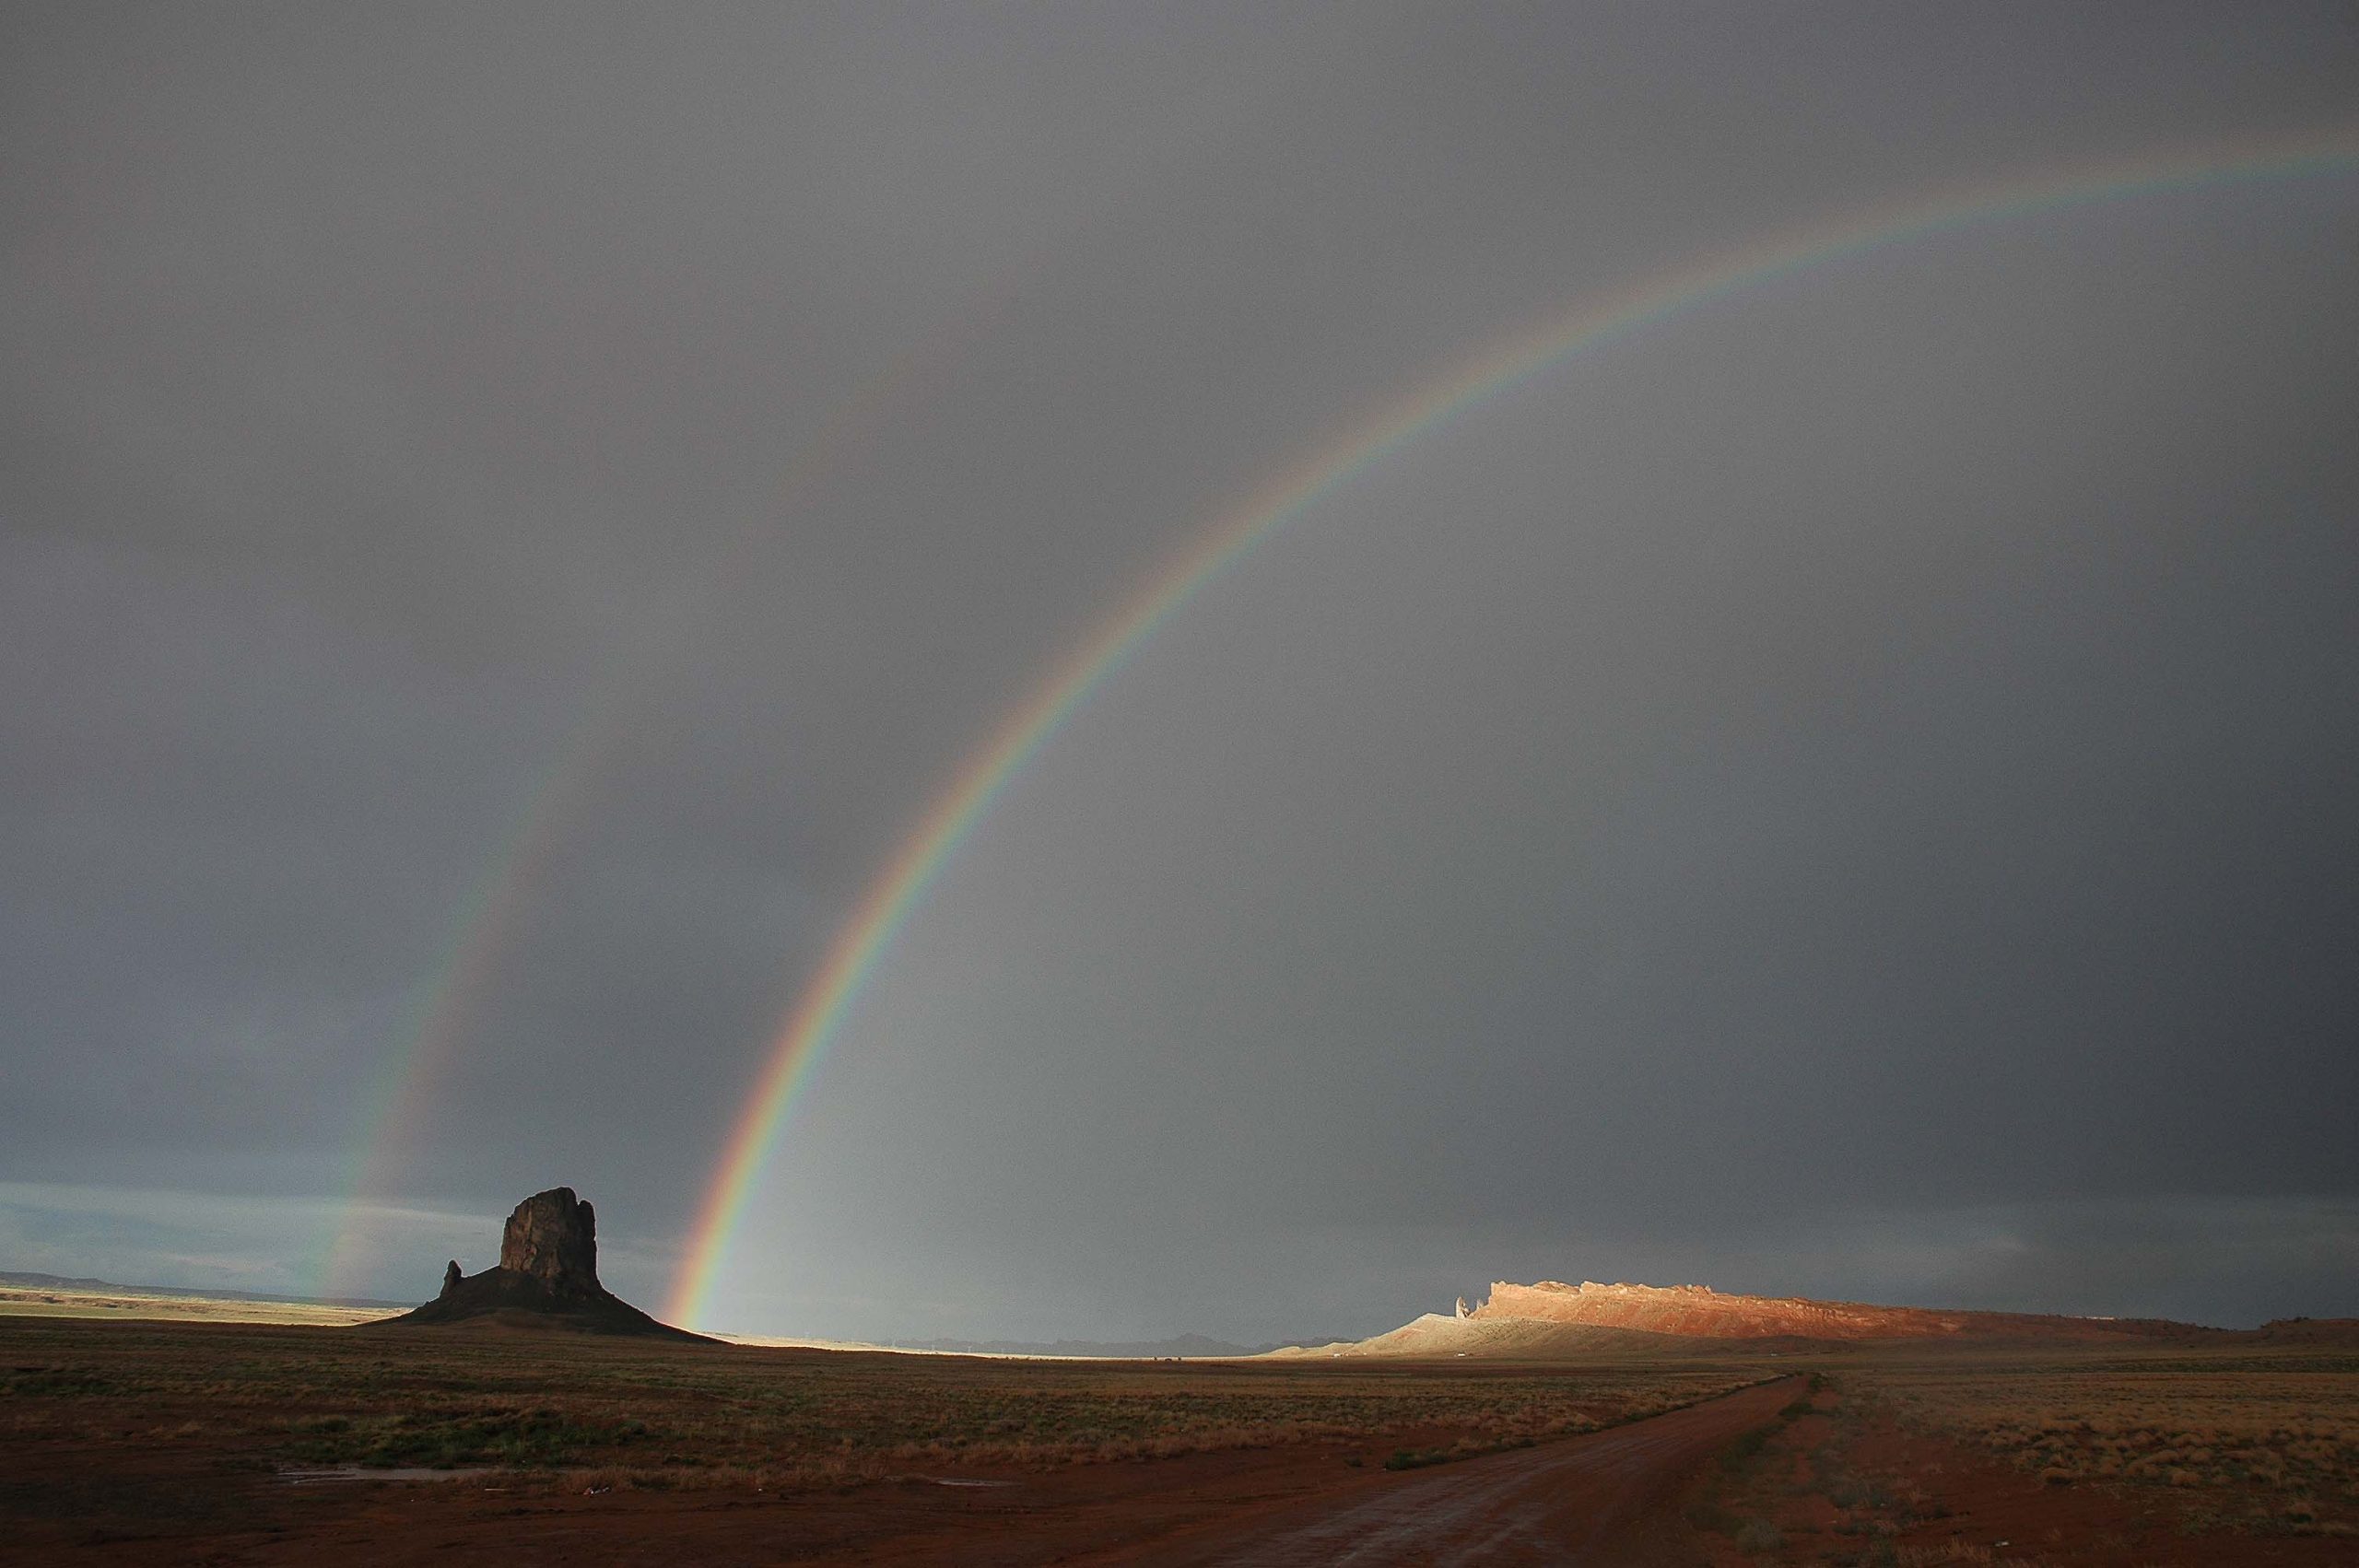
1608,1497
123,1476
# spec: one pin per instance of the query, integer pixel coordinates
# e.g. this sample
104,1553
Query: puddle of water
363,1472
952,1480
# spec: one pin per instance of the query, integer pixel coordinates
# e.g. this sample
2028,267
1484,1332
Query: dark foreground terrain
146,1443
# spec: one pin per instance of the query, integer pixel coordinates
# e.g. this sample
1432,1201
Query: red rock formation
1697,1310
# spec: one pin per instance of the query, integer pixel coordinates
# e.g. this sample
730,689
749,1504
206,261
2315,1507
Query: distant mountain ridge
18,1279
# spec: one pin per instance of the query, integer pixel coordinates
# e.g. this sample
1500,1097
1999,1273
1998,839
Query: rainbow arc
827,997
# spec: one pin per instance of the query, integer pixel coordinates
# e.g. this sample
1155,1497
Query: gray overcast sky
1845,792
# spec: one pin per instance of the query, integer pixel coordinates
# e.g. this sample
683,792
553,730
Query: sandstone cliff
1555,1321
1699,1311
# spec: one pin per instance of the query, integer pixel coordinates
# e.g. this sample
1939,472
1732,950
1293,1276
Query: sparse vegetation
2271,1431
642,1415
2121,1453
1735,1474
1853,1474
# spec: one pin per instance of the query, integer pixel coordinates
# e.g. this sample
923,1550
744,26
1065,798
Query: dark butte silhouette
547,1279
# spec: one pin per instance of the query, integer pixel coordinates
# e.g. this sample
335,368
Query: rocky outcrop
1699,1311
1438,1336
553,1237
548,1278
1553,1321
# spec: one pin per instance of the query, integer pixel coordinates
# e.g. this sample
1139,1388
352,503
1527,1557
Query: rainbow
886,906
442,1006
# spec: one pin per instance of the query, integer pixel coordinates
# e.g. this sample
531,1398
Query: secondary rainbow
442,1006
829,995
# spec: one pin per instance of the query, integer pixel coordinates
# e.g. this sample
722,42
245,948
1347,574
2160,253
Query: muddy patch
331,1474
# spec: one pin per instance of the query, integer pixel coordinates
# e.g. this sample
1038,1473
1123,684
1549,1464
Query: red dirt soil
1961,1508
1604,1491
1607,1497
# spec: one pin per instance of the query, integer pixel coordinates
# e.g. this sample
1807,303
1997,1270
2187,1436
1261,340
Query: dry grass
2267,1439
596,1413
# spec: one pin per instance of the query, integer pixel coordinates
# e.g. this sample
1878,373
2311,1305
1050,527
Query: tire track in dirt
1597,1498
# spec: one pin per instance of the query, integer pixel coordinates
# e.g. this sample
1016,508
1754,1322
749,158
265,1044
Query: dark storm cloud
1852,774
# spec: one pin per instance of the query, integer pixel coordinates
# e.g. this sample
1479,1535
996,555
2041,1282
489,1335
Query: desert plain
142,1430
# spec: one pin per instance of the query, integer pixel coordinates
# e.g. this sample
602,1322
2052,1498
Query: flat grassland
2263,1438
169,1440
172,1433
1921,1454
652,1414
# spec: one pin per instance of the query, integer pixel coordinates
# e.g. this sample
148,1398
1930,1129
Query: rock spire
546,1278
